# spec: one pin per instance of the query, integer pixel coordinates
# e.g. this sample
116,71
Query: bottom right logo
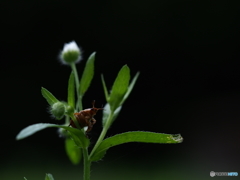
212,173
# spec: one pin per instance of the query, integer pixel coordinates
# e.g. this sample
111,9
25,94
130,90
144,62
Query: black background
187,53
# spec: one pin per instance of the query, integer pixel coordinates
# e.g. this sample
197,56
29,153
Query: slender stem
87,164
80,103
103,133
79,98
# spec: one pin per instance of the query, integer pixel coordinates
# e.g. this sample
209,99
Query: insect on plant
76,140
85,117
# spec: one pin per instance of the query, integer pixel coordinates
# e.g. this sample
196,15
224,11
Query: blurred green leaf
105,88
25,178
49,177
119,88
87,74
79,137
71,91
134,136
49,96
74,153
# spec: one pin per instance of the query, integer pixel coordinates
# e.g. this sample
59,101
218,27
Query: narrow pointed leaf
74,152
87,74
105,88
134,136
48,96
79,137
130,87
49,177
71,91
119,88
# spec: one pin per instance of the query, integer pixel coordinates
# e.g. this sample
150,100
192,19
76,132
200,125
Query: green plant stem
103,133
79,98
87,164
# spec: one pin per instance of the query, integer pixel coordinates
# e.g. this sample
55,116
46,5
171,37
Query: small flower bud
69,110
58,110
71,53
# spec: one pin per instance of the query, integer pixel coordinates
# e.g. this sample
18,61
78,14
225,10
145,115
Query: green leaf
74,153
71,91
105,88
25,178
49,96
107,111
134,136
119,88
79,137
49,177
87,74
130,87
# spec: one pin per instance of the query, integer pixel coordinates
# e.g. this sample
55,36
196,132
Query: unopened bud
58,110
71,53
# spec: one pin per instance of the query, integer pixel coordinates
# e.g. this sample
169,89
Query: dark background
187,53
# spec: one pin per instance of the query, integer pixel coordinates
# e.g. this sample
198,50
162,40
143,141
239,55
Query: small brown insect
85,118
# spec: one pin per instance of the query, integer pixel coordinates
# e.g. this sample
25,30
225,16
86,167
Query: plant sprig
76,141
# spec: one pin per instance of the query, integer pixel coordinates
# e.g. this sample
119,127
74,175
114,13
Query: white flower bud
71,53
